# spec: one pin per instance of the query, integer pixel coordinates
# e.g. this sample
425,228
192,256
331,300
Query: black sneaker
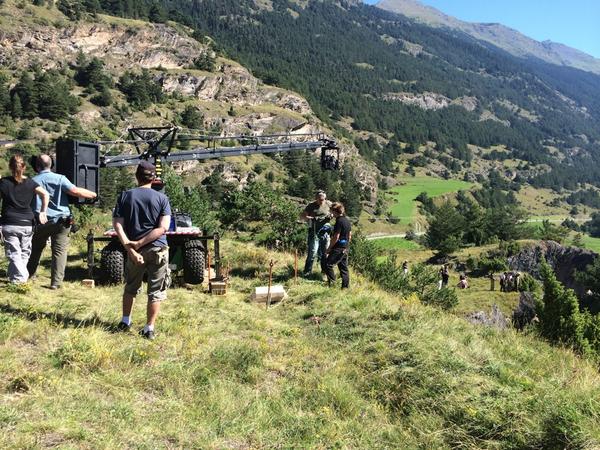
123,326
147,334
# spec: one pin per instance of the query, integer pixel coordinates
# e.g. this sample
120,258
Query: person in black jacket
337,253
17,193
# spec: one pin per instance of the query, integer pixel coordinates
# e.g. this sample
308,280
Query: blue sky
575,23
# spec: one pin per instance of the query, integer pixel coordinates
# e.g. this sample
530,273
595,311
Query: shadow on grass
62,320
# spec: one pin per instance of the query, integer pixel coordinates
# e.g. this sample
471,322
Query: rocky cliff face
564,260
140,45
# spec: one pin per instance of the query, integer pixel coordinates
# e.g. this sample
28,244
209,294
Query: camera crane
80,161
160,142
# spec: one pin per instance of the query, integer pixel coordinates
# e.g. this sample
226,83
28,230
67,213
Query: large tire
193,262
112,263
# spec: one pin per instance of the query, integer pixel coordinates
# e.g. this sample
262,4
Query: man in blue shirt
58,227
141,218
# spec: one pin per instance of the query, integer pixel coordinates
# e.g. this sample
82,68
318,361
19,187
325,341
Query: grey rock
495,319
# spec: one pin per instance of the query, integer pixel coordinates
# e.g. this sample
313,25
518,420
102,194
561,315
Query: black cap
145,171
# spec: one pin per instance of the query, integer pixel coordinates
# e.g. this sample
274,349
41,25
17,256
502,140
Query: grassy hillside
326,369
405,205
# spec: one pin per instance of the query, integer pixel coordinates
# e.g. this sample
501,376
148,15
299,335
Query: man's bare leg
128,300
152,313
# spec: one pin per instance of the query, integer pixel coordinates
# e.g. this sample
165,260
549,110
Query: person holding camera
317,214
59,223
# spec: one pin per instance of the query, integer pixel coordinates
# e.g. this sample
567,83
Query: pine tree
445,232
17,109
558,311
5,106
192,118
351,193
157,14
28,95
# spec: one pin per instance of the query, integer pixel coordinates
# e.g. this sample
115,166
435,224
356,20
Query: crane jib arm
213,153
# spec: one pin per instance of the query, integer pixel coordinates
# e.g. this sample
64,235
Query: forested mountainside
383,73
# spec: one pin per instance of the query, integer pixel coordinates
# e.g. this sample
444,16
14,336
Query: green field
404,196
395,243
591,243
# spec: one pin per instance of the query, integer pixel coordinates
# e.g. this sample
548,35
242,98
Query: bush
492,264
561,322
528,284
444,298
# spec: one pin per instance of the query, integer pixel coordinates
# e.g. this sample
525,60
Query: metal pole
270,283
208,260
217,255
90,254
296,266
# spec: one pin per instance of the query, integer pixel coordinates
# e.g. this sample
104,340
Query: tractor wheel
193,262
112,263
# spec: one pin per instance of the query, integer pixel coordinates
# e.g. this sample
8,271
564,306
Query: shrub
444,298
528,284
561,321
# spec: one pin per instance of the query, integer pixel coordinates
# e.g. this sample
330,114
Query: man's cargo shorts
156,265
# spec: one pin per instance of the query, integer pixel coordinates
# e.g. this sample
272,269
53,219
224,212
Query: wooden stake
270,283
208,256
296,267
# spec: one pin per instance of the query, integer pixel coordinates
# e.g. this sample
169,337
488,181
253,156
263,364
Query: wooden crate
217,287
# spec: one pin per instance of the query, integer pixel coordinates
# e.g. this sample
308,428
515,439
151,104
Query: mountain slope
358,369
416,83
504,37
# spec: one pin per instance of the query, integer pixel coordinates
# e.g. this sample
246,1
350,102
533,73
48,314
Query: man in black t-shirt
337,253
141,218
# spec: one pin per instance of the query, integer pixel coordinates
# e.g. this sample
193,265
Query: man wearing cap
141,218
58,227
317,214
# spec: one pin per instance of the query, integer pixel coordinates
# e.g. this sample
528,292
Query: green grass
395,244
325,369
404,196
591,243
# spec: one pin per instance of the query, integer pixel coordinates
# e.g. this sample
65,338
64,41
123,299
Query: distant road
583,219
375,236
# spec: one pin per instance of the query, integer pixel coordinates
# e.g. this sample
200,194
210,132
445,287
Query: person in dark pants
444,276
58,227
337,253
141,218
317,214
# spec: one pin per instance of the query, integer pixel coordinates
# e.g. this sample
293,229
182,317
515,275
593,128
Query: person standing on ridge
58,227
337,253
17,193
141,218
318,215
444,276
